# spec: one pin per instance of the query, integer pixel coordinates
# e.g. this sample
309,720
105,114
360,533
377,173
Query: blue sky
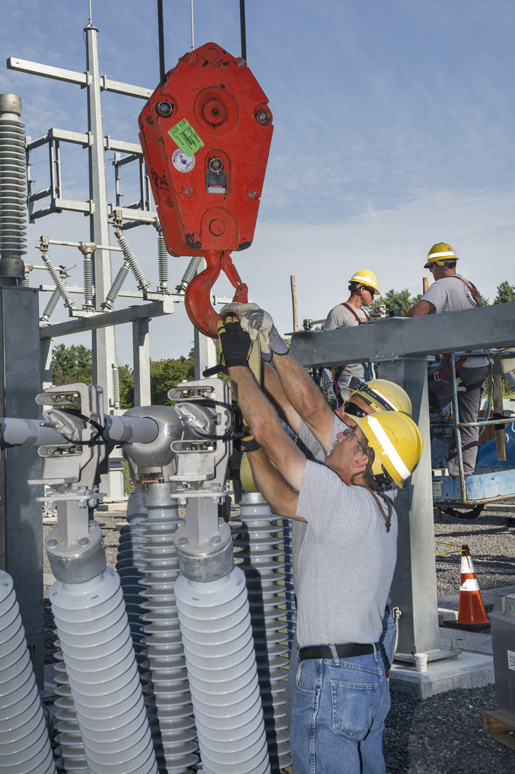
393,130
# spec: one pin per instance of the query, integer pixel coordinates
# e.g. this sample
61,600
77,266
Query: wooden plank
500,726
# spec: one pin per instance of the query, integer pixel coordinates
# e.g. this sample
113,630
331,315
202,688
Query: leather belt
345,650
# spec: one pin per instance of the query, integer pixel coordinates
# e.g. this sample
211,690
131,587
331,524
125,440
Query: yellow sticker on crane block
185,136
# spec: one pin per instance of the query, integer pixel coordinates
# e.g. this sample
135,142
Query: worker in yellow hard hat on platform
450,292
363,288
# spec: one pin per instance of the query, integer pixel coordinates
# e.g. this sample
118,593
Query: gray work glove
259,325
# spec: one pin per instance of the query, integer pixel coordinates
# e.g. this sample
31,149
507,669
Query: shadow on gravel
444,735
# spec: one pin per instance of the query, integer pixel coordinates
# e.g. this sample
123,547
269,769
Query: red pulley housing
205,134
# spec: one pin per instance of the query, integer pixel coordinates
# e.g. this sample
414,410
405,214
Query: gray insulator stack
88,281
70,754
13,208
24,741
217,635
117,286
191,271
131,259
287,534
163,257
50,307
129,564
267,566
165,683
95,639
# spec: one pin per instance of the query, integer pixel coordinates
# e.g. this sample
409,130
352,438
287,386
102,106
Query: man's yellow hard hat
440,252
366,278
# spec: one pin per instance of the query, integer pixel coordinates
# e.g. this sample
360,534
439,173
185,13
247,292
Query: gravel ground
444,733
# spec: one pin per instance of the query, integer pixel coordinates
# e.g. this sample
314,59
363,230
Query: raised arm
266,428
420,309
275,392
277,492
299,389
305,397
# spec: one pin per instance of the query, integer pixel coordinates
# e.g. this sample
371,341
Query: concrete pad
475,642
468,670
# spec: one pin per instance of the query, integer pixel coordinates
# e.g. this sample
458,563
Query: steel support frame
414,589
103,338
141,362
401,346
21,526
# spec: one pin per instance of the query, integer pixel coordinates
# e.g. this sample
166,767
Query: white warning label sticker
182,161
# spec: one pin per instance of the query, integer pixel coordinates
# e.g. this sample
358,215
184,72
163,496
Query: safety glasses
354,410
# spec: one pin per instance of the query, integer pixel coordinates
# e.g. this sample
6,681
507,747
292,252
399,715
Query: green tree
165,374
71,364
396,299
505,293
126,377
74,364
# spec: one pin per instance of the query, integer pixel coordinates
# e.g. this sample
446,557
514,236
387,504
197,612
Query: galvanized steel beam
393,337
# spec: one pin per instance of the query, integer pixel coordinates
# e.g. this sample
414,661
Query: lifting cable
161,40
243,30
160,30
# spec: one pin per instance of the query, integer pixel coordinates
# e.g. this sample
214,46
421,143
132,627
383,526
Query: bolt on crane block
206,133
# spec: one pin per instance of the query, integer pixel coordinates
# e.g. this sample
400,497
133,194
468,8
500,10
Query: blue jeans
338,716
386,644
387,638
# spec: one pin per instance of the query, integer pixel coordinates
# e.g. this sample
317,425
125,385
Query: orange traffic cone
471,611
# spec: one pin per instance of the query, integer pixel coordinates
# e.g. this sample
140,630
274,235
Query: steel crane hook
197,297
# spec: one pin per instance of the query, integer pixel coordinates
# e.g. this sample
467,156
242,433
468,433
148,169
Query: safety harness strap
247,480
476,296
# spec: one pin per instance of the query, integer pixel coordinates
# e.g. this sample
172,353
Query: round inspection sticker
182,161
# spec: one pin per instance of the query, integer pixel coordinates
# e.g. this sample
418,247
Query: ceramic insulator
69,753
24,741
219,648
128,564
265,554
94,635
167,692
13,207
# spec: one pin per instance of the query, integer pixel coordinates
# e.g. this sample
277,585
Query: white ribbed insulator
166,687
99,658
217,636
13,206
24,741
128,565
70,755
265,554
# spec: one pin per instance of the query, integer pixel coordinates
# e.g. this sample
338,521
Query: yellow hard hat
396,441
382,395
366,278
440,252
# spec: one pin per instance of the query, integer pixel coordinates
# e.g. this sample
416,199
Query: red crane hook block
197,298
205,134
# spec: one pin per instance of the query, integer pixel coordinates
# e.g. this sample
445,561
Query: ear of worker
259,324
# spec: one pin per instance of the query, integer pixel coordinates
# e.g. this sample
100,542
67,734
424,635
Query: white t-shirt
347,561
451,294
341,317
